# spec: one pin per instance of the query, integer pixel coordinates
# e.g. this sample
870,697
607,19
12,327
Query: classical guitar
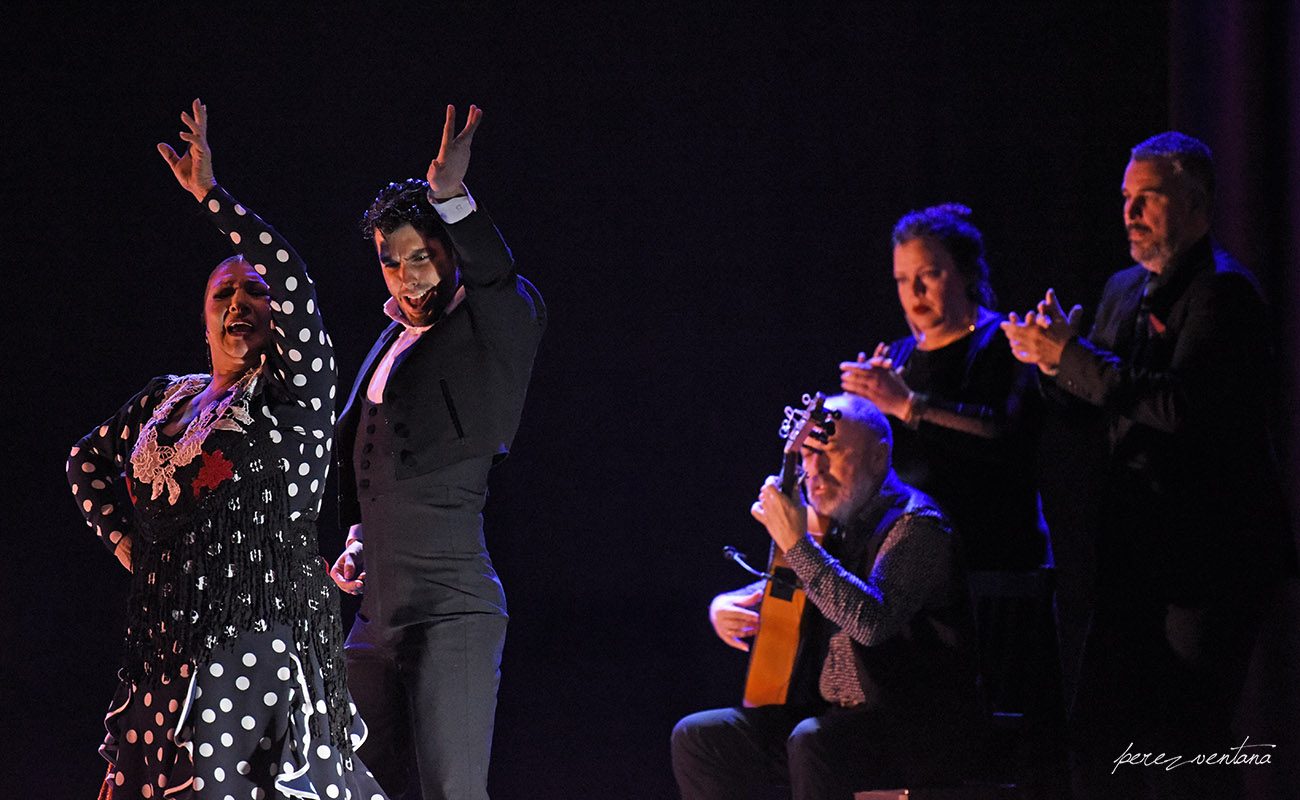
772,655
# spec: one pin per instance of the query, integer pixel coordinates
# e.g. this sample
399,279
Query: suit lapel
371,361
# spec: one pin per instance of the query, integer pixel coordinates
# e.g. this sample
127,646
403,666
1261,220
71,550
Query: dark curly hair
948,225
404,203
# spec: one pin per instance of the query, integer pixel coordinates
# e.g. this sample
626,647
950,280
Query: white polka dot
107,508
115,537
303,469
282,256
235,237
294,355
119,779
213,205
243,768
226,705
249,659
287,306
293,490
332,790
88,505
282,673
240,210
172,706
320,706
311,306
288,766
158,719
148,737
185,670
131,736
209,716
248,723
162,779
148,698
98,484
219,774
242,683
216,669
278,646
146,791
304,336
314,485
260,269
319,434
205,750
227,740
89,467
264,237
276,437
75,488
323,751
331,385
198,784
259,793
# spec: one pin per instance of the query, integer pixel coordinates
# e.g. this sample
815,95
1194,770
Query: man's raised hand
447,172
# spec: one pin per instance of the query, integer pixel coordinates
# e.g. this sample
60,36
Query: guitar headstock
813,421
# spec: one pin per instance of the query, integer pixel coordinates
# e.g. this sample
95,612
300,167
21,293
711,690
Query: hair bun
954,209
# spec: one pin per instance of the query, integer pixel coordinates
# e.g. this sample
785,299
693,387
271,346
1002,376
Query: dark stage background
703,196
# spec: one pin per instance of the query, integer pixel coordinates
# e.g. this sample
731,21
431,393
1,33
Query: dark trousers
428,698
1161,681
733,753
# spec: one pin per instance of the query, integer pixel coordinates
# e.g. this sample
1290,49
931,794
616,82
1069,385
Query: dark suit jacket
459,391
1193,506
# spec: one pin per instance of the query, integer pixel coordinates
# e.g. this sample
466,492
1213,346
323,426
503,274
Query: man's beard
842,505
1157,252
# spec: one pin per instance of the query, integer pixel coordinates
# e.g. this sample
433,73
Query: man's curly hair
404,203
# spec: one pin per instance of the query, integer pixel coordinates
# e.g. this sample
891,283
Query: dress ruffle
239,726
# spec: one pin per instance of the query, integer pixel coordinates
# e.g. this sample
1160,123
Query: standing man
1193,529
884,690
436,404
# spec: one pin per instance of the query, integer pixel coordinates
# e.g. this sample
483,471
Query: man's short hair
864,412
1187,155
404,203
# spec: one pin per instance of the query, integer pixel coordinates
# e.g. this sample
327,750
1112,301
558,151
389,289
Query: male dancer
436,404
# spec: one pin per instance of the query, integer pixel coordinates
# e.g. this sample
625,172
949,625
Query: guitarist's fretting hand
734,619
786,520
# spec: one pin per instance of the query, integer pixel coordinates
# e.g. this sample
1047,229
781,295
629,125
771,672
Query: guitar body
776,645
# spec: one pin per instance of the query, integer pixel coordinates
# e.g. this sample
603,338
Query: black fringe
233,561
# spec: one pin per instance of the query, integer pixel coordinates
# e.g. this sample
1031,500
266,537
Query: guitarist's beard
833,499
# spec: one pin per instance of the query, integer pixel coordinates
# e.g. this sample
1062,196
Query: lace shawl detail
156,464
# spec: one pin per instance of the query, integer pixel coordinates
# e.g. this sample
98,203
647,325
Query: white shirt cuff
454,209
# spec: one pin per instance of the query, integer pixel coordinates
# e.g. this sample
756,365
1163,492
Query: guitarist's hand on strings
734,619
786,520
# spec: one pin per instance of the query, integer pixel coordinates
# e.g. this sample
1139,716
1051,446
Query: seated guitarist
884,691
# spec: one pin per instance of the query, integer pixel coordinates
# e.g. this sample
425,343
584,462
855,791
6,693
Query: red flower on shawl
216,470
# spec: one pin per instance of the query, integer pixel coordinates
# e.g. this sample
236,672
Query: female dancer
206,487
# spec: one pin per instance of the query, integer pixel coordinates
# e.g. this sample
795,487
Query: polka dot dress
243,713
